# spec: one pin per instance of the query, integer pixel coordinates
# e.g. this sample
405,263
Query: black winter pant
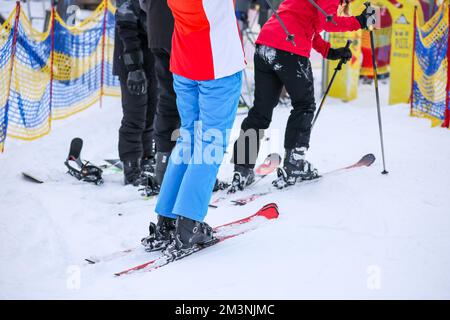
136,130
167,117
274,69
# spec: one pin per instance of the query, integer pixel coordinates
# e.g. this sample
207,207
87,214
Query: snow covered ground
352,235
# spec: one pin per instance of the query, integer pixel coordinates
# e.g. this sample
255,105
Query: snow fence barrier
431,81
54,74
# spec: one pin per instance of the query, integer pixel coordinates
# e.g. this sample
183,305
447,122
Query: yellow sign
402,40
345,86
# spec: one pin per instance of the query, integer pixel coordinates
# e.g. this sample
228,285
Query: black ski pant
274,69
136,130
167,119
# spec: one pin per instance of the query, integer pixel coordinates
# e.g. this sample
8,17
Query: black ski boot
242,177
160,235
161,159
189,235
295,168
149,181
148,165
133,173
220,185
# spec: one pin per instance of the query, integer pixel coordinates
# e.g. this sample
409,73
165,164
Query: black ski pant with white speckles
274,69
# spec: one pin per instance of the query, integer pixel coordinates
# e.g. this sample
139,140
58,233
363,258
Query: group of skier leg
180,66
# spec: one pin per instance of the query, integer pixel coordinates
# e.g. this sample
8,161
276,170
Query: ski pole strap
328,17
341,62
289,36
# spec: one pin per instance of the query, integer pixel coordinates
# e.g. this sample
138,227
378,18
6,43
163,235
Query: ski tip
368,159
269,211
365,161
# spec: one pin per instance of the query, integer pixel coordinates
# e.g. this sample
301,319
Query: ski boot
160,235
242,177
149,186
133,173
161,162
295,168
220,185
148,165
188,237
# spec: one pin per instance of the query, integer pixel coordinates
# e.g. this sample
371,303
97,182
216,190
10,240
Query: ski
250,198
269,165
115,163
32,177
222,233
365,161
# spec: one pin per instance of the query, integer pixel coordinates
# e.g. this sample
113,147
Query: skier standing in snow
279,62
160,26
133,63
207,62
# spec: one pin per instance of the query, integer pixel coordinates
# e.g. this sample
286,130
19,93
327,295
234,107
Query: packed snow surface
356,234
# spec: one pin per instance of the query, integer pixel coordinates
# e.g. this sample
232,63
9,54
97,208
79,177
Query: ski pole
328,17
289,36
338,67
377,93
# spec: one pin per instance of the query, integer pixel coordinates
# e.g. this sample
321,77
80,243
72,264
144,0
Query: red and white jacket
206,42
304,21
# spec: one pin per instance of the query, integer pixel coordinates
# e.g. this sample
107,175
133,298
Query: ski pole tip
384,172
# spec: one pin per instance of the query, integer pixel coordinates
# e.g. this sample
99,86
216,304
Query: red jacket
206,42
304,21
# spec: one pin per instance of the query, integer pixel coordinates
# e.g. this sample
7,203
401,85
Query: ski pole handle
341,62
372,19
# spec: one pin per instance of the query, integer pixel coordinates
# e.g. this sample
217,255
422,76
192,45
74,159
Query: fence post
446,123
102,75
411,98
8,86
52,51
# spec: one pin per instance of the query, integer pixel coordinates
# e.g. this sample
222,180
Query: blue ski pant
207,110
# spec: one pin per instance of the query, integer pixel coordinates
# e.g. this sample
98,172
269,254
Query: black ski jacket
130,35
159,24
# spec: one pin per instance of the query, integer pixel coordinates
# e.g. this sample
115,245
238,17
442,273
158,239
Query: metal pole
377,93
338,67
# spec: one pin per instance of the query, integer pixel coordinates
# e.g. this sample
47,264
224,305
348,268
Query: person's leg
298,79
167,117
218,102
134,109
188,105
152,92
267,93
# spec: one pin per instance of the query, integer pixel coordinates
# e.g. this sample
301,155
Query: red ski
365,161
222,233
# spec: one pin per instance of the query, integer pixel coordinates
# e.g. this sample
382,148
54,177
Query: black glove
340,53
368,15
137,82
